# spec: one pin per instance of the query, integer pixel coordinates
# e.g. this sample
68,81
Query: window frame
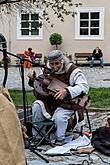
101,23
28,37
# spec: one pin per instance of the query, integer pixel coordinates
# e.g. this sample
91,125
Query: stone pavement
95,158
96,77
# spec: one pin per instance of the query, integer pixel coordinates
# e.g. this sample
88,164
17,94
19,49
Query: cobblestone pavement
95,158
96,76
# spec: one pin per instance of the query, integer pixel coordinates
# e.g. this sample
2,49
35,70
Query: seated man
58,106
97,55
29,56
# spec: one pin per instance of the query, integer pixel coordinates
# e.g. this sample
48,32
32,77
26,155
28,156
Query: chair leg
88,121
81,130
44,136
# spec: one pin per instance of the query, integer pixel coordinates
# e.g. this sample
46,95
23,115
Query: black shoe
59,142
27,144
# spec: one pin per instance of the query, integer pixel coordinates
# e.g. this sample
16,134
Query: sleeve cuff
68,93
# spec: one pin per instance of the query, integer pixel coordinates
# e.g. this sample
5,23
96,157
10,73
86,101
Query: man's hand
30,75
60,94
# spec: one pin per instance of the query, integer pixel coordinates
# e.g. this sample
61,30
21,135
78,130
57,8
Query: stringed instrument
47,86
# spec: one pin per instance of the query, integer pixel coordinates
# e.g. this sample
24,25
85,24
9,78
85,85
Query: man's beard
61,69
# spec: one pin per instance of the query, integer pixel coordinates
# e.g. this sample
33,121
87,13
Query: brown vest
50,103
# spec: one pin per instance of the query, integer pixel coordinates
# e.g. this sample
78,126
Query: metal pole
23,91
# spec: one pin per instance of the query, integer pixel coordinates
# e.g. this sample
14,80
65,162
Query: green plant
1,62
17,97
100,97
45,60
56,39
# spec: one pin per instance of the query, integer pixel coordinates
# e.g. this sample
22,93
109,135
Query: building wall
66,29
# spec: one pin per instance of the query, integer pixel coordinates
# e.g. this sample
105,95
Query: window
29,25
89,23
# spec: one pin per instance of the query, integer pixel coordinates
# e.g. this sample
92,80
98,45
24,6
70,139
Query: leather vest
49,101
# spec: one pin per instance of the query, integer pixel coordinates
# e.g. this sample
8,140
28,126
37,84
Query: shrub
56,39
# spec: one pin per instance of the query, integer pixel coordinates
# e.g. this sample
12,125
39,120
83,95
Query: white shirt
78,83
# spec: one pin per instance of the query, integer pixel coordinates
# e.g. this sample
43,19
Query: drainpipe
4,45
5,59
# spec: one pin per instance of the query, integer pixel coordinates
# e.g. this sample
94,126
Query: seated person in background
28,55
54,106
97,55
32,55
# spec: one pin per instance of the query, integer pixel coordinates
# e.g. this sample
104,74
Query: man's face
56,64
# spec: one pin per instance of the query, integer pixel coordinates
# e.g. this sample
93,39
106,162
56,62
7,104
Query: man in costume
57,107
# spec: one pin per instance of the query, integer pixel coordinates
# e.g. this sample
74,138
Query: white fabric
60,118
44,112
78,83
78,124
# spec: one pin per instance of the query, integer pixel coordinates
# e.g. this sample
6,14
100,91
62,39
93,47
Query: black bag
101,140
89,58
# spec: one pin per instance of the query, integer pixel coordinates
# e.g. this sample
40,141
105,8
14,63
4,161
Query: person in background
32,55
28,55
97,55
50,107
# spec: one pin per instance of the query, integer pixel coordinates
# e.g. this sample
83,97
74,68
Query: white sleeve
78,83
